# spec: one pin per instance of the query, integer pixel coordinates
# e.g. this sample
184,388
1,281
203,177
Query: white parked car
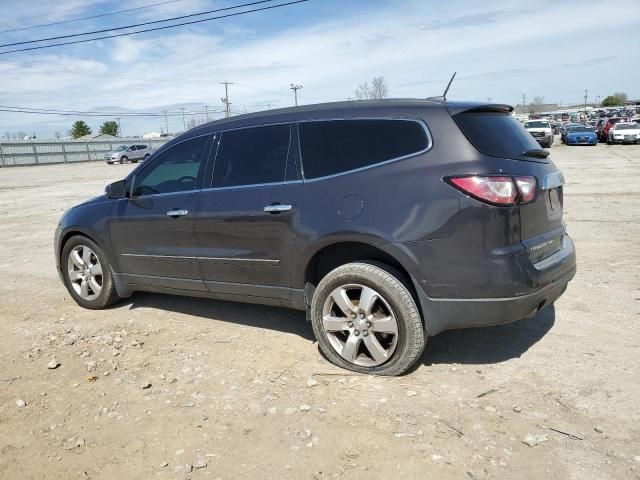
129,153
624,132
540,130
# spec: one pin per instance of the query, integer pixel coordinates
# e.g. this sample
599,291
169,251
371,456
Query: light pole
119,128
295,89
184,125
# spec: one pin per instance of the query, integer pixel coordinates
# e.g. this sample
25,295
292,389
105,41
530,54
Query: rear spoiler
479,108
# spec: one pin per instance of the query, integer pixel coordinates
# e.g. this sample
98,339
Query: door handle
177,213
277,208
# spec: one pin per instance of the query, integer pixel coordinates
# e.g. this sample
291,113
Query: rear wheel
87,274
366,320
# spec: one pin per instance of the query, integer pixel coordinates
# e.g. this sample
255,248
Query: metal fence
41,152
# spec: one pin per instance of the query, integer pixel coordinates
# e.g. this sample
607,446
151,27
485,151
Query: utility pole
225,99
166,121
206,112
119,127
524,102
586,94
489,99
295,89
184,125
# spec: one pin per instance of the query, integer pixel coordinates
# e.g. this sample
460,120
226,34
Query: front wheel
86,273
366,320
123,159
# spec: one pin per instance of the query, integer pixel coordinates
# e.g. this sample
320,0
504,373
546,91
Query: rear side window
252,155
336,146
496,134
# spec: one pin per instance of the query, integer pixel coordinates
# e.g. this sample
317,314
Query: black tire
124,159
108,294
411,337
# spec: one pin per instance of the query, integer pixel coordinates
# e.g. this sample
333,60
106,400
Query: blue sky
501,50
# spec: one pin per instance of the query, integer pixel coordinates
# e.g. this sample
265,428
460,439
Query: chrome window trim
252,185
419,121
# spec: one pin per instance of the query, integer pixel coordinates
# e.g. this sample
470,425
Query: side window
174,170
335,146
252,155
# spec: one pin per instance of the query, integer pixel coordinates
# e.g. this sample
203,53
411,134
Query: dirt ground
171,387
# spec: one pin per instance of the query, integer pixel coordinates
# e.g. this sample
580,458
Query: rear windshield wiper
536,153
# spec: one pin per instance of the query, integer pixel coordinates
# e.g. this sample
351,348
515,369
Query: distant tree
621,96
611,101
363,92
109,127
378,89
80,129
21,135
538,100
57,135
7,135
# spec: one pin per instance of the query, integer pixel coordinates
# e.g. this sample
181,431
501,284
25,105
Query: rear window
496,134
581,129
335,146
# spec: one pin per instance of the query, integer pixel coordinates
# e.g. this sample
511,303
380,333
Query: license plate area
553,199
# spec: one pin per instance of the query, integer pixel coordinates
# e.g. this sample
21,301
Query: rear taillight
497,189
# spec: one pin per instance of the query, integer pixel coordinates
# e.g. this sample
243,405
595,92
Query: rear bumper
442,314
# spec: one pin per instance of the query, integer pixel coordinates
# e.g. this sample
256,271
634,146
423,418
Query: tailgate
541,227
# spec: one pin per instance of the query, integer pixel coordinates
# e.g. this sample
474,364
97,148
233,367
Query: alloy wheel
360,325
85,272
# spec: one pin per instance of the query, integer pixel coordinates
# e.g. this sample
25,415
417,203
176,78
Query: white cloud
499,50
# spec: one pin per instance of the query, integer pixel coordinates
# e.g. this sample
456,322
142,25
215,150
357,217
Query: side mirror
115,189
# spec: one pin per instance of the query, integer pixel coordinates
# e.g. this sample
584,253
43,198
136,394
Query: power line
71,20
40,111
114,29
235,14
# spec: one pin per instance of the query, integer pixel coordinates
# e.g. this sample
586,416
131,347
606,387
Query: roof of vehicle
340,109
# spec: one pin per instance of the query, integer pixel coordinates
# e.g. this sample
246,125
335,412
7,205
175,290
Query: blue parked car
581,135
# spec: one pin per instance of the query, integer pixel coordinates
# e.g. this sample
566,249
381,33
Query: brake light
497,189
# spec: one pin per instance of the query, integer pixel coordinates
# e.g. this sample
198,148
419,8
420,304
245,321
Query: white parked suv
129,153
541,131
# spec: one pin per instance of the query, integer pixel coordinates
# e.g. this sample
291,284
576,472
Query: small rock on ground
53,364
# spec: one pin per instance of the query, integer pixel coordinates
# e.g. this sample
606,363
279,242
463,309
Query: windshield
120,148
581,129
536,125
626,126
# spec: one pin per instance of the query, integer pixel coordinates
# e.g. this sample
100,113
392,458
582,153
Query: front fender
89,219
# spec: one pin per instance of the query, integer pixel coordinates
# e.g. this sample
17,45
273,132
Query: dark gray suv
387,221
